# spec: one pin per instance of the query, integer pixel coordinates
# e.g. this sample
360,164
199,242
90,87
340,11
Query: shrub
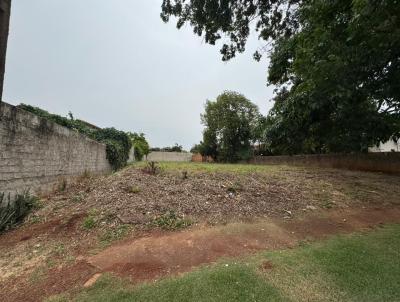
141,145
14,212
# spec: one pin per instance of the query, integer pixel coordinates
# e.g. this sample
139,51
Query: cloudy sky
115,63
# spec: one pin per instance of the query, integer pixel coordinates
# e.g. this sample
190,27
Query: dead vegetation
139,197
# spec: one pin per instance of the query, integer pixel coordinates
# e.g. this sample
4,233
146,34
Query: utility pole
5,10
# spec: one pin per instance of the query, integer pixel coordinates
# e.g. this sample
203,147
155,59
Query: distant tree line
174,148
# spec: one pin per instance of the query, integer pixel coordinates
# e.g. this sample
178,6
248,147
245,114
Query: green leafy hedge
118,144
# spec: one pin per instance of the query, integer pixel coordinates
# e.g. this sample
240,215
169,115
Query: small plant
114,234
59,249
14,212
86,175
133,189
62,186
235,188
78,198
171,221
89,222
152,168
328,204
184,174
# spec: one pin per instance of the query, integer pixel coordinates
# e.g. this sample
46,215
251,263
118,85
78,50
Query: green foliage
62,185
140,144
171,221
343,72
89,222
336,64
174,148
230,19
134,189
118,144
152,168
114,234
231,127
14,212
197,148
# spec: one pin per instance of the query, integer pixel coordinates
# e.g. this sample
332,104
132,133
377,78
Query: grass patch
171,221
359,267
114,234
215,167
134,190
220,283
89,222
78,198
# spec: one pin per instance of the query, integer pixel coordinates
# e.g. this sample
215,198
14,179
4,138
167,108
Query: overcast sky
116,64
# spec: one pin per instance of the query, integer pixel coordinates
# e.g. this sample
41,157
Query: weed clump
133,189
114,234
62,186
235,188
89,222
14,212
171,221
152,168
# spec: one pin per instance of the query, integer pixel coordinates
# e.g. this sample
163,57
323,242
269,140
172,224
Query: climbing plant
118,143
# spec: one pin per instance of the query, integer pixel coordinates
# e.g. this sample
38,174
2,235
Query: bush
14,212
141,145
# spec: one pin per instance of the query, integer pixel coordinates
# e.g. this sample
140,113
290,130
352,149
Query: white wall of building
389,146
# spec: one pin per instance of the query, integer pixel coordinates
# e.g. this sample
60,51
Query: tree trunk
5,9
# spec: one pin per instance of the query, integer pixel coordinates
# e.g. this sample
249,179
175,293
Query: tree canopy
339,78
232,19
230,127
336,66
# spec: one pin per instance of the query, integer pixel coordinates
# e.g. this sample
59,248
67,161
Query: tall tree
340,77
231,126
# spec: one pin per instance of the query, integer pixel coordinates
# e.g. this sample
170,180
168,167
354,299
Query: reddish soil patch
152,258
341,221
58,227
56,281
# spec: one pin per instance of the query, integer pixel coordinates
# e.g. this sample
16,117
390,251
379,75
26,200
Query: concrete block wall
37,154
372,162
169,156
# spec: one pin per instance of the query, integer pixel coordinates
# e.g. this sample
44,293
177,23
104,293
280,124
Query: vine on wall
118,144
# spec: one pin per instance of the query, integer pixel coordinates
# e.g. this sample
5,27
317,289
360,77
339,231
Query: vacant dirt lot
74,235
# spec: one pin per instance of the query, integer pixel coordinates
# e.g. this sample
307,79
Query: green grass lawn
359,267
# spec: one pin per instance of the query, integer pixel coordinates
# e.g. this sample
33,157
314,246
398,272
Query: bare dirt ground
107,224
